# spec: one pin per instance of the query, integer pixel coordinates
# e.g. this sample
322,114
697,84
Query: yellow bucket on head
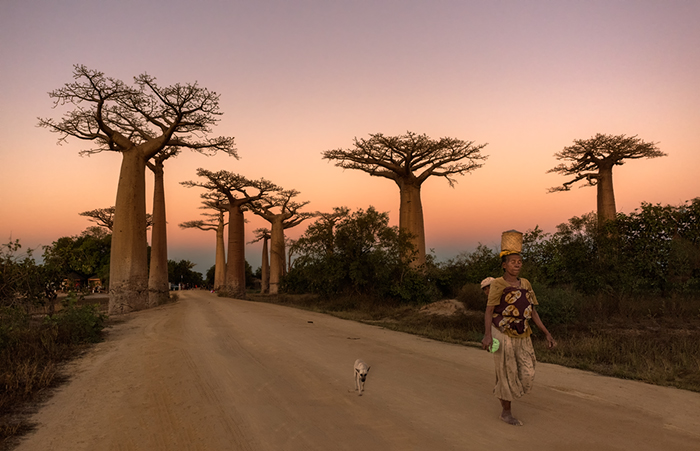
511,242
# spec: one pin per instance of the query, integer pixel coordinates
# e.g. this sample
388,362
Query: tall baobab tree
217,202
409,160
239,192
593,160
139,122
282,212
263,235
158,286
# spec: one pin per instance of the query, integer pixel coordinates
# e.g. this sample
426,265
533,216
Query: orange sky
298,78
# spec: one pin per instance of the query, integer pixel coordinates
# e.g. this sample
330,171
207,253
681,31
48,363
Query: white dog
360,373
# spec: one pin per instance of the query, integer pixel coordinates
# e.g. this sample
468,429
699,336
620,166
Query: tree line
149,124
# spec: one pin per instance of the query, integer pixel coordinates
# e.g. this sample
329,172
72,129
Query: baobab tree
158,286
593,160
282,212
104,217
263,235
239,192
409,160
215,221
139,122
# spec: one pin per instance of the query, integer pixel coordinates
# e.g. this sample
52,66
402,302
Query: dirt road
209,373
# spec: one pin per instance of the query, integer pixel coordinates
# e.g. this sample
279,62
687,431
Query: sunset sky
300,77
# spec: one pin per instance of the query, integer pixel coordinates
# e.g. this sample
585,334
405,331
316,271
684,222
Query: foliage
654,249
77,324
181,272
81,257
468,267
357,253
31,349
249,276
209,277
22,281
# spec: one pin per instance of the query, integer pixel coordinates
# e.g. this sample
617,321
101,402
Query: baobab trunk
235,269
265,269
606,195
220,263
128,274
276,254
411,218
158,288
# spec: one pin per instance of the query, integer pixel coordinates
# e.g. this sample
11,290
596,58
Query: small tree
138,122
409,160
593,160
239,192
182,273
24,283
82,257
282,212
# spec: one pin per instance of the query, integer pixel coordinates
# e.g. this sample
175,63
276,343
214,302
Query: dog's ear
368,368
357,370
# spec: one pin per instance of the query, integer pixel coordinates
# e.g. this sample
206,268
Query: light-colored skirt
515,366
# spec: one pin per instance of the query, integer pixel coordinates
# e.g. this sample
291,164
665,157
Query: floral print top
513,307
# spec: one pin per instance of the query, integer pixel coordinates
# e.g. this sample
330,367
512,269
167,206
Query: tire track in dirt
209,373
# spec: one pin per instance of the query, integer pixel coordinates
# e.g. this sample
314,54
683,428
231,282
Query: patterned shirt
513,307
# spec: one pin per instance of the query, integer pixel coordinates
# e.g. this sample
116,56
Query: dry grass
32,349
652,349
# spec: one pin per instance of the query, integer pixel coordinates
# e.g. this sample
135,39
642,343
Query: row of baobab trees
149,124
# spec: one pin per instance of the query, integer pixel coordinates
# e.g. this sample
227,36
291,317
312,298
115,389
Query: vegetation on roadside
33,345
32,348
623,300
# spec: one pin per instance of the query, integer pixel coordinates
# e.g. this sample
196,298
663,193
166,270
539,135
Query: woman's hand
551,343
486,342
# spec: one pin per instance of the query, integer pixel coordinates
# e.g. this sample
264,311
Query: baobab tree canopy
104,217
238,191
409,160
138,121
592,160
282,212
118,117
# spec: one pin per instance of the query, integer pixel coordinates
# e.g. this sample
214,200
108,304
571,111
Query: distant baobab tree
263,235
217,202
239,192
158,284
409,160
104,217
139,122
593,160
282,212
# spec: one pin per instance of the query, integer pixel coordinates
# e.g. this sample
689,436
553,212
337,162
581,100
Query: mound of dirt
447,307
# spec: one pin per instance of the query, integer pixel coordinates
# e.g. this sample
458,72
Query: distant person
511,304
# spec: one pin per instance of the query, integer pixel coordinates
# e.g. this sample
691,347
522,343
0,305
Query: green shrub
558,305
77,324
473,297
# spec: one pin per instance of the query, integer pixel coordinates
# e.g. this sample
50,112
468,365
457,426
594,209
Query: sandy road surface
209,373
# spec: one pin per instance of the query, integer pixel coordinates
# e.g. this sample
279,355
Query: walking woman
511,305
